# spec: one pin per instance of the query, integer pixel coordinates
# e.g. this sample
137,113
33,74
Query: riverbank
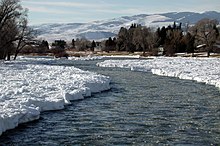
86,55
30,86
204,70
140,109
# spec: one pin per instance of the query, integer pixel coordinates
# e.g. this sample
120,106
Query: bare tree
7,44
8,15
24,37
82,44
138,38
206,32
9,9
123,40
14,31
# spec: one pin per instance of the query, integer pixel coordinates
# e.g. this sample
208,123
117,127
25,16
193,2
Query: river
140,109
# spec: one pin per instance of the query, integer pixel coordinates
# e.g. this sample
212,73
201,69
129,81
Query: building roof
200,46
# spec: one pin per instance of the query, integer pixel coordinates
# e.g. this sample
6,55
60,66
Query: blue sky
62,11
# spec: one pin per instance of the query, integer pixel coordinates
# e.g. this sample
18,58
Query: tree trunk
208,53
16,55
8,56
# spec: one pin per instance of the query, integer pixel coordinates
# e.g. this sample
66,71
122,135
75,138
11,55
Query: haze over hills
102,29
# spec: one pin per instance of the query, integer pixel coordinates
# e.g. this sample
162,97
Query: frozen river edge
205,70
28,87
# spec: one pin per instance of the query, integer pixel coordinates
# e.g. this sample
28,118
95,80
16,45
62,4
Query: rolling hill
102,29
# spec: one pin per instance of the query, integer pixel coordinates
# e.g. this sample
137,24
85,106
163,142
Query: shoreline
124,53
204,70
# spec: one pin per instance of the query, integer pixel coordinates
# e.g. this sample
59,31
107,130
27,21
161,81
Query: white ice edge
91,57
206,70
27,88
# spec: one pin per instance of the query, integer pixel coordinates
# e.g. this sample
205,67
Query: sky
82,11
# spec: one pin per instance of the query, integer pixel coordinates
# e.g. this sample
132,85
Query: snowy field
31,85
205,70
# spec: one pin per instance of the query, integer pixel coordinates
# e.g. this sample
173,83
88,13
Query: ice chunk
31,85
73,95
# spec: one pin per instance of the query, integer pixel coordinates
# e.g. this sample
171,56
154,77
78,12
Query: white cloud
128,11
42,9
58,7
66,4
90,10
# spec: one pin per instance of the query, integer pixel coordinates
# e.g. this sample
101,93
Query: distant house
98,47
160,50
215,49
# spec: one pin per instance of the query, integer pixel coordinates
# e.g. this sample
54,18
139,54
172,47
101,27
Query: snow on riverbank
205,70
89,57
30,86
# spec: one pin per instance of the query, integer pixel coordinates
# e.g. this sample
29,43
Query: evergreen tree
110,45
73,44
189,41
60,44
45,44
162,34
93,45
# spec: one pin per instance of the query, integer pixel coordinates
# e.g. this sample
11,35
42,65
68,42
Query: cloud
41,9
90,10
129,11
57,7
66,4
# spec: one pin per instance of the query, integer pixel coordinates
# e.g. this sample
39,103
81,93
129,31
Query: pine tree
93,45
73,44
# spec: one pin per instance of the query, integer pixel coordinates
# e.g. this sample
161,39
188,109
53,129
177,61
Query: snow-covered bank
123,56
89,57
205,70
29,86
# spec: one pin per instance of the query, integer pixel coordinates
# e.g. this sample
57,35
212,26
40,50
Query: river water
140,109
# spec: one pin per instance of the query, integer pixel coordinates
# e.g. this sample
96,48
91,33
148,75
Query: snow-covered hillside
98,30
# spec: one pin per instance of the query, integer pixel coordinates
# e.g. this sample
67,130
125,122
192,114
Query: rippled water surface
140,109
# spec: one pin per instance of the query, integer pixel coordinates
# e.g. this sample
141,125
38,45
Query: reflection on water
140,109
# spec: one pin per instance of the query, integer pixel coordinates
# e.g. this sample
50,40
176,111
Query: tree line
172,38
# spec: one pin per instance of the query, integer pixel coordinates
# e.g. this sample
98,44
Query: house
160,50
98,47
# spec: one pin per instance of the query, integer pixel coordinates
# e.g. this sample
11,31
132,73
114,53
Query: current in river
140,109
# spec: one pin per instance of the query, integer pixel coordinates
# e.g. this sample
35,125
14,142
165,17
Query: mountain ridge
103,29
